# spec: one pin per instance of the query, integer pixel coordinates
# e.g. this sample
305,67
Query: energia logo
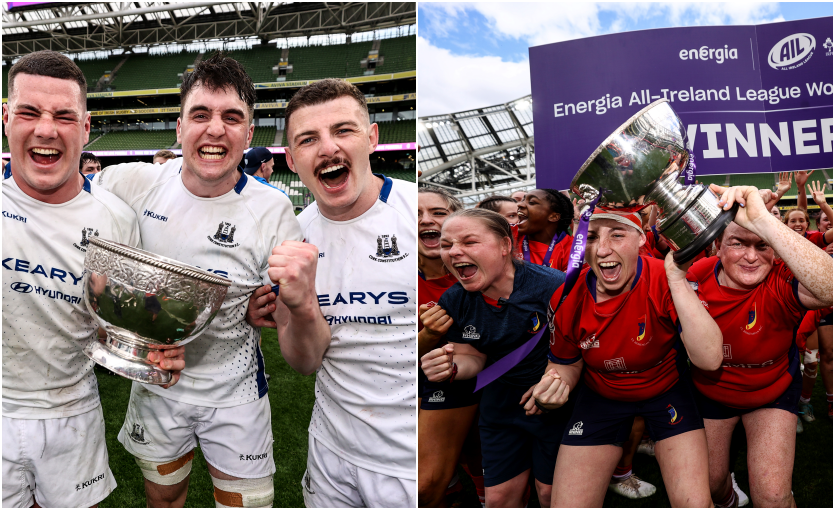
791,52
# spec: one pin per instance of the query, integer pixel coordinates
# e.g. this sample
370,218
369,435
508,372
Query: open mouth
609,271
430,238
521,218
44,156
211,152
334,176
465,270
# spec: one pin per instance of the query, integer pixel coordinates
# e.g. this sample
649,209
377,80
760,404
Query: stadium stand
95,68
400,54
133,140
5,142
264,136
143,71
397,131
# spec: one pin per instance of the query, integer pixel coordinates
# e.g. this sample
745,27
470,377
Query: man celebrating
201,210
54,452
362,433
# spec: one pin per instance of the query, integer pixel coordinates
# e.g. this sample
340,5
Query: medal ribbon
575,264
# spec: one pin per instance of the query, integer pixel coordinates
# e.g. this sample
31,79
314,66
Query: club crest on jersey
536,323
86,234
387,250
641,339
674,417
751,327
225,235
470,333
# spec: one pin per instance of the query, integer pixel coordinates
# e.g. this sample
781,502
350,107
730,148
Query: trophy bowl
145,303
639,165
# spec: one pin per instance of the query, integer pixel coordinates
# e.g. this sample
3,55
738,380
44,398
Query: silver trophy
145,303
640,164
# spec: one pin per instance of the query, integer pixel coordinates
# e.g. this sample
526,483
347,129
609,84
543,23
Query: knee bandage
810,357
166,473
245,493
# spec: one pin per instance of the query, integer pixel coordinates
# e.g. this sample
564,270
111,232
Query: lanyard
527,253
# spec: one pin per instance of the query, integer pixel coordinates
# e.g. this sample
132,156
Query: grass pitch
291,400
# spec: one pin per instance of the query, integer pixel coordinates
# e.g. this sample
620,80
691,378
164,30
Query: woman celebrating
758,303
498,306
505,206
632,321
447,409
542,234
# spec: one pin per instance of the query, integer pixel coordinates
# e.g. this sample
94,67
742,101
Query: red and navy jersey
559,257
430,291
758,329
809,325
816,238
630,344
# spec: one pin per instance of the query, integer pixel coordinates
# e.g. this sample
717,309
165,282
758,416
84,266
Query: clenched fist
293,268
551,392
437,363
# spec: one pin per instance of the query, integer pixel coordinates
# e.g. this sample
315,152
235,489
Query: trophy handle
707,236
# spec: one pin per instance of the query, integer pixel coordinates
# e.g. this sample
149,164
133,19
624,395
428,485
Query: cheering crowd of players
54,452
642,354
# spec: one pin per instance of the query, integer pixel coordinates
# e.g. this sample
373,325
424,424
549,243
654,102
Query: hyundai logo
25,288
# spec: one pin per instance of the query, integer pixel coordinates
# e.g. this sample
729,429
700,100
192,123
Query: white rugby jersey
45,322
365,408
231,235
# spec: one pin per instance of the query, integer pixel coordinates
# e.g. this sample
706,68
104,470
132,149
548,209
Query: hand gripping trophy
144,302
639,165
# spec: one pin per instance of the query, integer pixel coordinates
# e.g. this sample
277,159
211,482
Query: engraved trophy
640,164
145,302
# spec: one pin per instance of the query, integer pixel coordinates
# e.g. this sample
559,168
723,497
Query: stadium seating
133,140
264,136
5,142
6,80
401,131
399,54
94,69
143,71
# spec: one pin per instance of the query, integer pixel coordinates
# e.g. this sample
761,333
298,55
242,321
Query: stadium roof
478,152
76,27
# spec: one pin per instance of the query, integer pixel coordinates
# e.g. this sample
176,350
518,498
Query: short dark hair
87,156
494,203
320,92
52,64
220,73
561,205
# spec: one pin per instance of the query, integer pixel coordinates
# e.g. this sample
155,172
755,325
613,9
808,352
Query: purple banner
753,98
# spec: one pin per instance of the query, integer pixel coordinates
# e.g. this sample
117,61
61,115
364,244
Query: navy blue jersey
496,329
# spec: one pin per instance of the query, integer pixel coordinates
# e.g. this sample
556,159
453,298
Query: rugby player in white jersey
200,209
54,452
362,433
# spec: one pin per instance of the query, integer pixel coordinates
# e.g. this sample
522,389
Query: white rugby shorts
332,482
236,440
60,462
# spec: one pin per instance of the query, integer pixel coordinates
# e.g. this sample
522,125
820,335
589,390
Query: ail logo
791,52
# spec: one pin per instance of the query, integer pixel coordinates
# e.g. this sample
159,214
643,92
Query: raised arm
783,185
817,192
701,336
800,179
810,265
436,323
303,332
